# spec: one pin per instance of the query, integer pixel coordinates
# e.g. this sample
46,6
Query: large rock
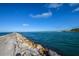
15,44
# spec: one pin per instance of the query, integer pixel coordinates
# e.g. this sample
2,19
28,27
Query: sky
25,17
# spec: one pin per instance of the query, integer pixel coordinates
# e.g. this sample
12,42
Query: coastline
23,43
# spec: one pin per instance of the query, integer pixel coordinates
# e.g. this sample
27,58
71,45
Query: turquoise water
65,43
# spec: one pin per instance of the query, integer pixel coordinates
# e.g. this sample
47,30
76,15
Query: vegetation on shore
72,30
75,30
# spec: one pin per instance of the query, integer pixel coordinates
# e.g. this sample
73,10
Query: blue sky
38,17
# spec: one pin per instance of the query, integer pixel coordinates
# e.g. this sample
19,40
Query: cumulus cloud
25,25
47,14
75,10
54,5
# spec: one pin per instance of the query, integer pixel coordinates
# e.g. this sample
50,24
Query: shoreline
40,50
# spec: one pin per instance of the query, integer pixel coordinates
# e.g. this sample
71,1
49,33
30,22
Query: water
65,43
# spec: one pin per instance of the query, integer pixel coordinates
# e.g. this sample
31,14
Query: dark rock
18,54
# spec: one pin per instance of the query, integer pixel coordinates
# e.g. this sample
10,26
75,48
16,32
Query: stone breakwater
15,44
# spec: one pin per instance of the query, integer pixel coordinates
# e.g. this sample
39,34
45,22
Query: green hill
72,30
75,30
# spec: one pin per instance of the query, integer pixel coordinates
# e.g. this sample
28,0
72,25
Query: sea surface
64,43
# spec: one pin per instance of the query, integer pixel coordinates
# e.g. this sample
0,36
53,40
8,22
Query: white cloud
47,14
73,4
54,5
25,25
75,10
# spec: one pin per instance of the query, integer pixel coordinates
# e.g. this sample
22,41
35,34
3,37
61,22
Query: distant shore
72,30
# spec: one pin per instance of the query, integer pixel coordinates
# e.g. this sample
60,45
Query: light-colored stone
15,44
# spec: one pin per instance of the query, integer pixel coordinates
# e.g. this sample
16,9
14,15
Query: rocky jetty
15,44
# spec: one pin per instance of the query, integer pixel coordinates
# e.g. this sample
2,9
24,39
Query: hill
75,30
